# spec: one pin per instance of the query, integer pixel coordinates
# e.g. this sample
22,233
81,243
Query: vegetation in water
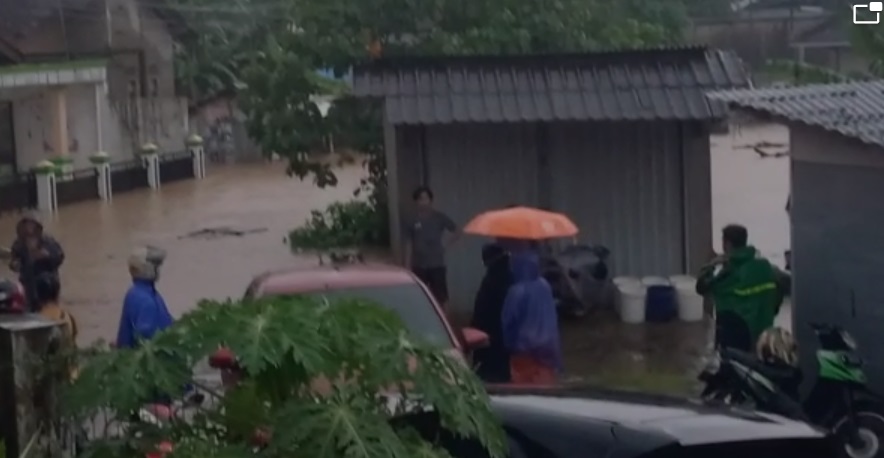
317,371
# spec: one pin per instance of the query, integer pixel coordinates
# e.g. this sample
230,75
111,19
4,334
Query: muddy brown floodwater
97,238
263,203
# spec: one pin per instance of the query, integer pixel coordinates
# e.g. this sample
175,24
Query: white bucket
632,303
690,304
679,279
655,281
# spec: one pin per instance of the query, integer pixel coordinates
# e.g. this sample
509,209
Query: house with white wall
82,76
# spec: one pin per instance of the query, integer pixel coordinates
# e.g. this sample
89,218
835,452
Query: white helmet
145,262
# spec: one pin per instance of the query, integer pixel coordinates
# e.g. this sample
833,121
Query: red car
390,286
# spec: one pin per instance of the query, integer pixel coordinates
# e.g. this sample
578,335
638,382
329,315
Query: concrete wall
31,120
620,182
749,189
838,247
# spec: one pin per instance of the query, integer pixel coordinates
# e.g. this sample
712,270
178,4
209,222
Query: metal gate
176,166
18,192
82,186
128,176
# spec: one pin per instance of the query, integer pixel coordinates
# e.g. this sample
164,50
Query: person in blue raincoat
144,310
530,323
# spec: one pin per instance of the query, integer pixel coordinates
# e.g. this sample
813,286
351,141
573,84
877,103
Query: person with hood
530,324
144,310
746,288
493,362
33,253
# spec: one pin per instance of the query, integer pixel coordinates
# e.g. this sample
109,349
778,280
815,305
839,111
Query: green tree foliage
316,374
275,47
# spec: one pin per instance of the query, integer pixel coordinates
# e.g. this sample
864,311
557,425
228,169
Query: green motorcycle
839,401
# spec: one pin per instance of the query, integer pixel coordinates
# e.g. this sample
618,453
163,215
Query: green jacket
748,285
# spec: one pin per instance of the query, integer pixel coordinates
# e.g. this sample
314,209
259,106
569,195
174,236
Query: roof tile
627,85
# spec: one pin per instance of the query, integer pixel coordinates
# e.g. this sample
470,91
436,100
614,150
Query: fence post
151,159
64,166
47,199
198,154
101,161
29,398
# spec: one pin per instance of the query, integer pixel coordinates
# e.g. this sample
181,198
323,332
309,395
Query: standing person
33,253
144,310
427,235
530,324
747,291
493,362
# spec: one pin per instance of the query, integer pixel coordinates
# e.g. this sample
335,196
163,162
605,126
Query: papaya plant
325,379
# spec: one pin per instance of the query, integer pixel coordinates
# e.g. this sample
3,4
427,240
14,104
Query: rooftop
854,109
651,84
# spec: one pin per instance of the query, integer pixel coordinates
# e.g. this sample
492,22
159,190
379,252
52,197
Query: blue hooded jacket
144,314
530,321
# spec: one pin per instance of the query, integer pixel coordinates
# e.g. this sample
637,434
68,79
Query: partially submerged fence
17,192
52,185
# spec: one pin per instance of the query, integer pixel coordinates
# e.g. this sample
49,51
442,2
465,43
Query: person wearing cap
144,310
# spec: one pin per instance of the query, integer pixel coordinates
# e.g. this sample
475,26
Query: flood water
97,238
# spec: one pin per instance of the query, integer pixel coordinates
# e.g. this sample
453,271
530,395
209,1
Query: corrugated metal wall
838,255
621,183
473,168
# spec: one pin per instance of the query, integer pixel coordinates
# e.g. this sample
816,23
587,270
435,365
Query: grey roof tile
667,84
854,109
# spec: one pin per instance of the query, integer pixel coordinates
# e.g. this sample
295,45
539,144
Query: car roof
331,277
690,422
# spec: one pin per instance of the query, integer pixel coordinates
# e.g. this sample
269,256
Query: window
409,301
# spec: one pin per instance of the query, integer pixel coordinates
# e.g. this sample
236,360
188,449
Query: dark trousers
436,279
731,331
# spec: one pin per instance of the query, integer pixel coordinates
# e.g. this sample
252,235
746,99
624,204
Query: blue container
660,304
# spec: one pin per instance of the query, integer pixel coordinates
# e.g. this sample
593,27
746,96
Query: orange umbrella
522,223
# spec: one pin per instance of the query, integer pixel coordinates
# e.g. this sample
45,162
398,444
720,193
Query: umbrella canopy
522,223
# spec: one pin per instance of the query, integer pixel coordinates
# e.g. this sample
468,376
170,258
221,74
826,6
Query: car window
410,302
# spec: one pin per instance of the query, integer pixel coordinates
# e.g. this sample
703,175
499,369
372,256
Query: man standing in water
747,291
427,235
144,310
33,253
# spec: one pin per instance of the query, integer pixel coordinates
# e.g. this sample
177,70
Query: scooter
579,278
839,401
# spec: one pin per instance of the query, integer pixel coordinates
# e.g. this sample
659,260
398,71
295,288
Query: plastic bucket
632,303
690,304
655,281
679,279
661,304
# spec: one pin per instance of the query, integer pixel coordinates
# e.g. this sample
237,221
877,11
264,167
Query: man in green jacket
747,291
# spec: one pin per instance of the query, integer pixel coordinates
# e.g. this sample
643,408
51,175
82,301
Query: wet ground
264,204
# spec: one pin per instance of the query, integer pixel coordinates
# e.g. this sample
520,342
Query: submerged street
221,231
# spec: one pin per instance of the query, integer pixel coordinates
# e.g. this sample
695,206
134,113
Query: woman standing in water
530,323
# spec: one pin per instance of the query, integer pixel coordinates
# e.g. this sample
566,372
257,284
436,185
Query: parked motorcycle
840,399
579,277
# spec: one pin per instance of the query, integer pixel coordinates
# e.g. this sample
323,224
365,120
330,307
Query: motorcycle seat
786,377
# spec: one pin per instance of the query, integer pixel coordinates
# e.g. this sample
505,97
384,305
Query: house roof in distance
647,84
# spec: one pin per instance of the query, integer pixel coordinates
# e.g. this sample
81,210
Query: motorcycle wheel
870,428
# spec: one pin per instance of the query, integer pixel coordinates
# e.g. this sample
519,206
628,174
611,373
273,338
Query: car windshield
409,301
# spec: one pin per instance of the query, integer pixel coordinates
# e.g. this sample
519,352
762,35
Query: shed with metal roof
617,140
836,136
